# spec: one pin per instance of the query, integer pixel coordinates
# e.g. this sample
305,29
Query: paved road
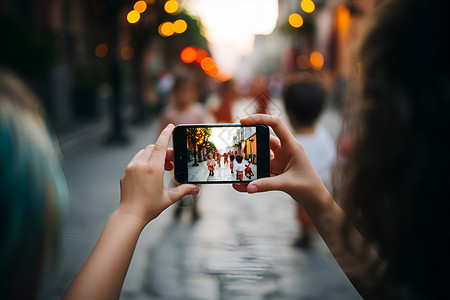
222,173
239,249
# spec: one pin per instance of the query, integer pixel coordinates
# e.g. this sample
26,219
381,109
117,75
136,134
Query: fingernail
194,191
252,189
170,125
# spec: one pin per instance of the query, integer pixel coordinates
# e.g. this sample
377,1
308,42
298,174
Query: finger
136,157
263,185
240,187
273,121
147,153
160,149
274,143
168,165
169,154
177,192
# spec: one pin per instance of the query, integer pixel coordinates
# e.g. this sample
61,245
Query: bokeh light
342,19
166,29
133,16
127,53
223,76
180,26
188,55
308,6
316,60
201,54
140,6
214,72
208,64
295,20
171,6
303,62
101,50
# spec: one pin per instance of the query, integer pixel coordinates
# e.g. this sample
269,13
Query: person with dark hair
304,101
239,167
232,162
391,231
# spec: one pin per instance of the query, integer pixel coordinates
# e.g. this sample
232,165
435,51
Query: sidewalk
239,249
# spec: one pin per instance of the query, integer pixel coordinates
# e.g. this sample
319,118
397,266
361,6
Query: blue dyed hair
33,190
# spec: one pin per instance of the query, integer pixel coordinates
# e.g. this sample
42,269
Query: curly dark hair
396,181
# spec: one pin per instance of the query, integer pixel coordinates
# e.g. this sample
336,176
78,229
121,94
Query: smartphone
220,153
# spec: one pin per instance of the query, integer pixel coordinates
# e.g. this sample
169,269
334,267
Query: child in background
184,108
304,102
218,158
231,162
239,167
225,158
211,163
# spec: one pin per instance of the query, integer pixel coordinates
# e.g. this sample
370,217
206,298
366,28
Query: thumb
263,185
177,192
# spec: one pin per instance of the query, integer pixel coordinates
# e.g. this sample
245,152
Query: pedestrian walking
210,163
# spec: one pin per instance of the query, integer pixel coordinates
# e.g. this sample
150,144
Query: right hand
290,169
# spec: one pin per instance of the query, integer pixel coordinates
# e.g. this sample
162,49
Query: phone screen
222,154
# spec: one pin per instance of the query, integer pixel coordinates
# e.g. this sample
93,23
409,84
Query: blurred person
33,191
225,158
304,100
260,93
390,237
184,108
218,157
228,96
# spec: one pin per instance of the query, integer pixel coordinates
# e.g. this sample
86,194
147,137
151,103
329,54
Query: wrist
128,219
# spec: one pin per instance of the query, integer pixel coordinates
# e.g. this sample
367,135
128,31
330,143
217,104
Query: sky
231,26
223,137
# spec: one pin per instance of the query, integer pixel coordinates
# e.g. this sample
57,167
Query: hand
290,169
142,188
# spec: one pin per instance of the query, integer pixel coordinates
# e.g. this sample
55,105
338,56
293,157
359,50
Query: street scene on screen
221,154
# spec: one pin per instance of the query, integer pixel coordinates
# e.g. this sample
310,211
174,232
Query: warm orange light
140,6
223,77
214,72
295,20
101,50
201,54
303,62
316,60
127,53
171,6
308,6
166,29
207,64
343,19
133,16
180,26
188,55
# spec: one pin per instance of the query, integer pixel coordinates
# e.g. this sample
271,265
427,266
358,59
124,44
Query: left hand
142,188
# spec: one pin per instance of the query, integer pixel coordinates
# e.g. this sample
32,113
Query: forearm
102,275
358,265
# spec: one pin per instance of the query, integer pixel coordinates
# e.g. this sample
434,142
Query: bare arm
292,173
103,273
